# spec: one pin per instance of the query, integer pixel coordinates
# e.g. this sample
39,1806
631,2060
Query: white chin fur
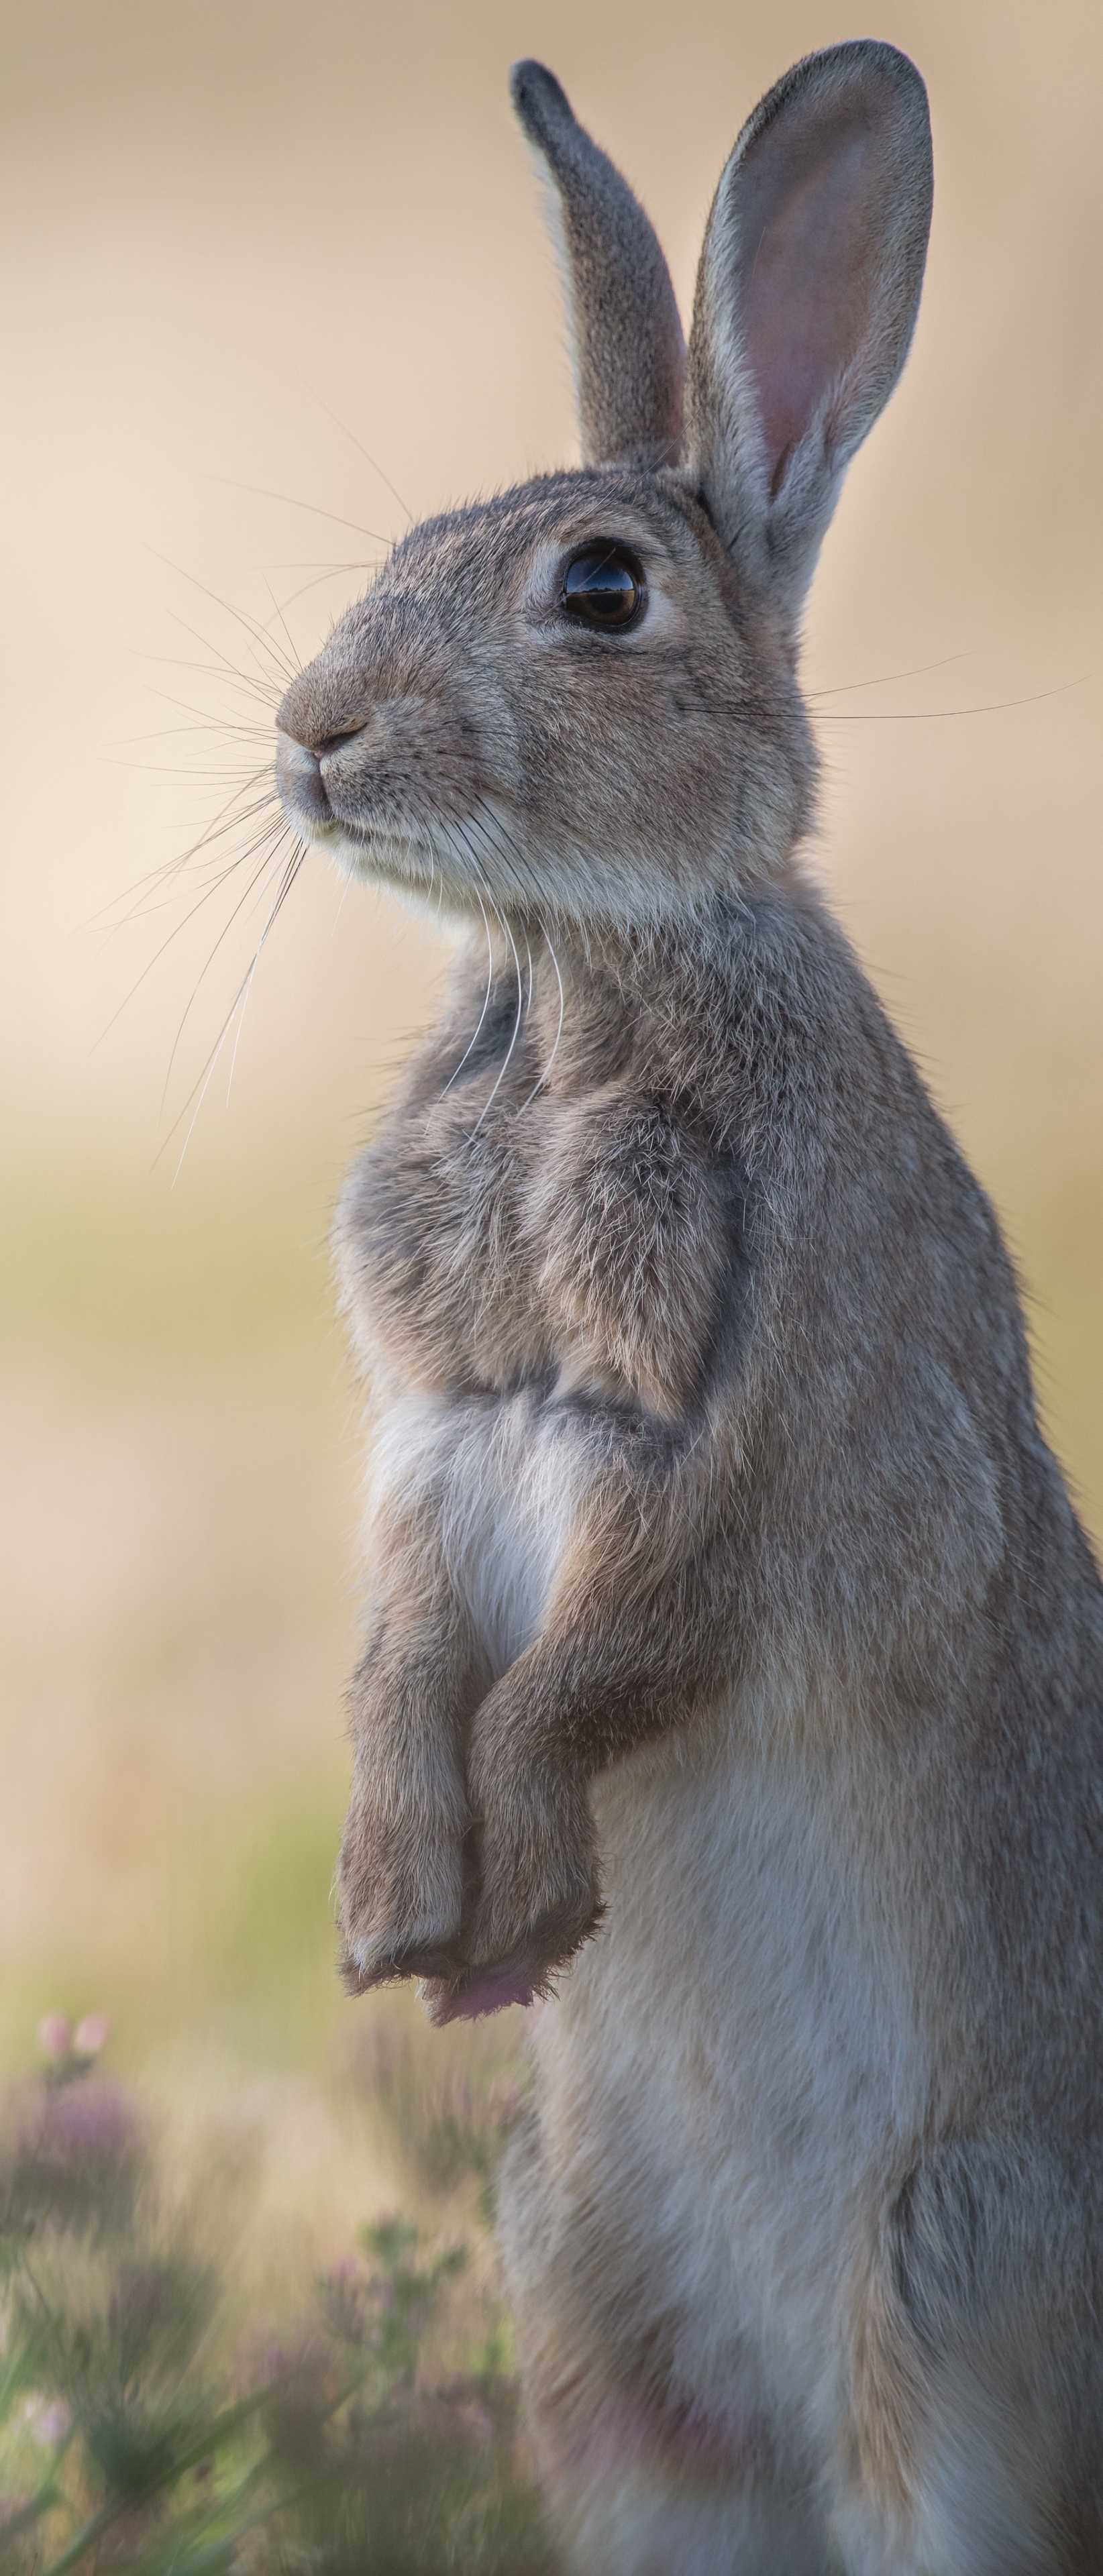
396,858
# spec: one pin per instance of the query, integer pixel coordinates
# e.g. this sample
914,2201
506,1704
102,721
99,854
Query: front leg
401,1871
634,1639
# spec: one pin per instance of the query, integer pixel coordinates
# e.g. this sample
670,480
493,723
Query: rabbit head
578,701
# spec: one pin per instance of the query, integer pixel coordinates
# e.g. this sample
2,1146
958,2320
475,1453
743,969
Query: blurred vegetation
150,2420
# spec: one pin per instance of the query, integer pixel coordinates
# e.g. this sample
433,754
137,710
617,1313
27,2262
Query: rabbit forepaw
400,1883
538,1901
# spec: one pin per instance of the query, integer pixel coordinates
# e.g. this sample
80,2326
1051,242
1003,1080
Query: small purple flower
88,2119
55,2036
54,2421
91,2034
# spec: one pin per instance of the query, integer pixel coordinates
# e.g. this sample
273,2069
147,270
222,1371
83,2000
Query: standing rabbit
734,1669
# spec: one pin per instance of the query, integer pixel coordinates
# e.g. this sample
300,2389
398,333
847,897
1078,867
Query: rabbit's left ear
627,345
806,301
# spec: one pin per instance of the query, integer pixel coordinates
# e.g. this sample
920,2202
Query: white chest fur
502,1477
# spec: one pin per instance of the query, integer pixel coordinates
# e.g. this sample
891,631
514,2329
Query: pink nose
300,782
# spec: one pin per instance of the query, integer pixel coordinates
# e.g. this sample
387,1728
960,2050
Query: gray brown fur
627,345
734,1663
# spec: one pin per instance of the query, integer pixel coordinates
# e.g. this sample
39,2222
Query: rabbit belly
502,1477
719,2086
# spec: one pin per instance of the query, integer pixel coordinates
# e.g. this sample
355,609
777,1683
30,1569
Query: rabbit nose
317,746
299,775
320,716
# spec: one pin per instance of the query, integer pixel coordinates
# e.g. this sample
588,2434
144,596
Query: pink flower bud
54,2421
55,2036
92,2034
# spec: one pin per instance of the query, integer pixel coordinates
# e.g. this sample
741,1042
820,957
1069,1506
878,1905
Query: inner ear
806,300
810,253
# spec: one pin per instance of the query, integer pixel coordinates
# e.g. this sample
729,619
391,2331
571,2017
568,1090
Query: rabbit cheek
409,763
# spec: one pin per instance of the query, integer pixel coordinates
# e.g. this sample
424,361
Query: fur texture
733,1673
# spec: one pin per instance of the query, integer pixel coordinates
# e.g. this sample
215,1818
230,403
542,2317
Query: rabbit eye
604,586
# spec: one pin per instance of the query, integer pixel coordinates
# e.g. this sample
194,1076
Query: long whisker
507,842
885,679
262,494
203,1080
492,829
348,433
276,839
298,860
367,563
943,715
259,635
283,621
543,1077
228,819
166,943
262,688
220,669
505,1063
202,721
473,1040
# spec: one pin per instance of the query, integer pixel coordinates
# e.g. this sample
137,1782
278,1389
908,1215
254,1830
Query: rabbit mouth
391,796
463,851
365,845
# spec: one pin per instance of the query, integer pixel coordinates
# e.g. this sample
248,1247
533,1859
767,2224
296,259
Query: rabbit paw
400,1882
539,1900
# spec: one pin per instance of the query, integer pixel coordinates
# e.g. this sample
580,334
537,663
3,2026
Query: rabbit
732,1686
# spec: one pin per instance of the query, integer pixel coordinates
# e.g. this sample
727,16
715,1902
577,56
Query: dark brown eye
604,586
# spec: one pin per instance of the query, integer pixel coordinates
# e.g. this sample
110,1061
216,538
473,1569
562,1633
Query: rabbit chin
612,891
462,867
403,860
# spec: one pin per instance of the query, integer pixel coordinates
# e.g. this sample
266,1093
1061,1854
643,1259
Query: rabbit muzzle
361,777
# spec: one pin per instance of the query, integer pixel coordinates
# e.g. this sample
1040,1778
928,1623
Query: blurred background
248,246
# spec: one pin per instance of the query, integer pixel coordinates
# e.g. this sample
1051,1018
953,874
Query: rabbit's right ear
627,345
806,301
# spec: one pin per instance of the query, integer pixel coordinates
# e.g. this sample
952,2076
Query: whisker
216,877
225,821
222,669
473,1040
298,858
258,684
367,563
347,881
505,1064
486,821
273,840
295,656
203,722
543,1078
153,961
885,679
943,715
289,878
348,433
258,633
261,493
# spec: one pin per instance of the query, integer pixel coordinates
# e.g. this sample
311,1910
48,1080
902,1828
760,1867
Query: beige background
218,220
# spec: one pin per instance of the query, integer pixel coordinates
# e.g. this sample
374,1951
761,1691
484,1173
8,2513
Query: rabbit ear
806,300
628,350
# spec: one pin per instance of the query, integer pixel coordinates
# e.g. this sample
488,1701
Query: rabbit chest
530,1297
